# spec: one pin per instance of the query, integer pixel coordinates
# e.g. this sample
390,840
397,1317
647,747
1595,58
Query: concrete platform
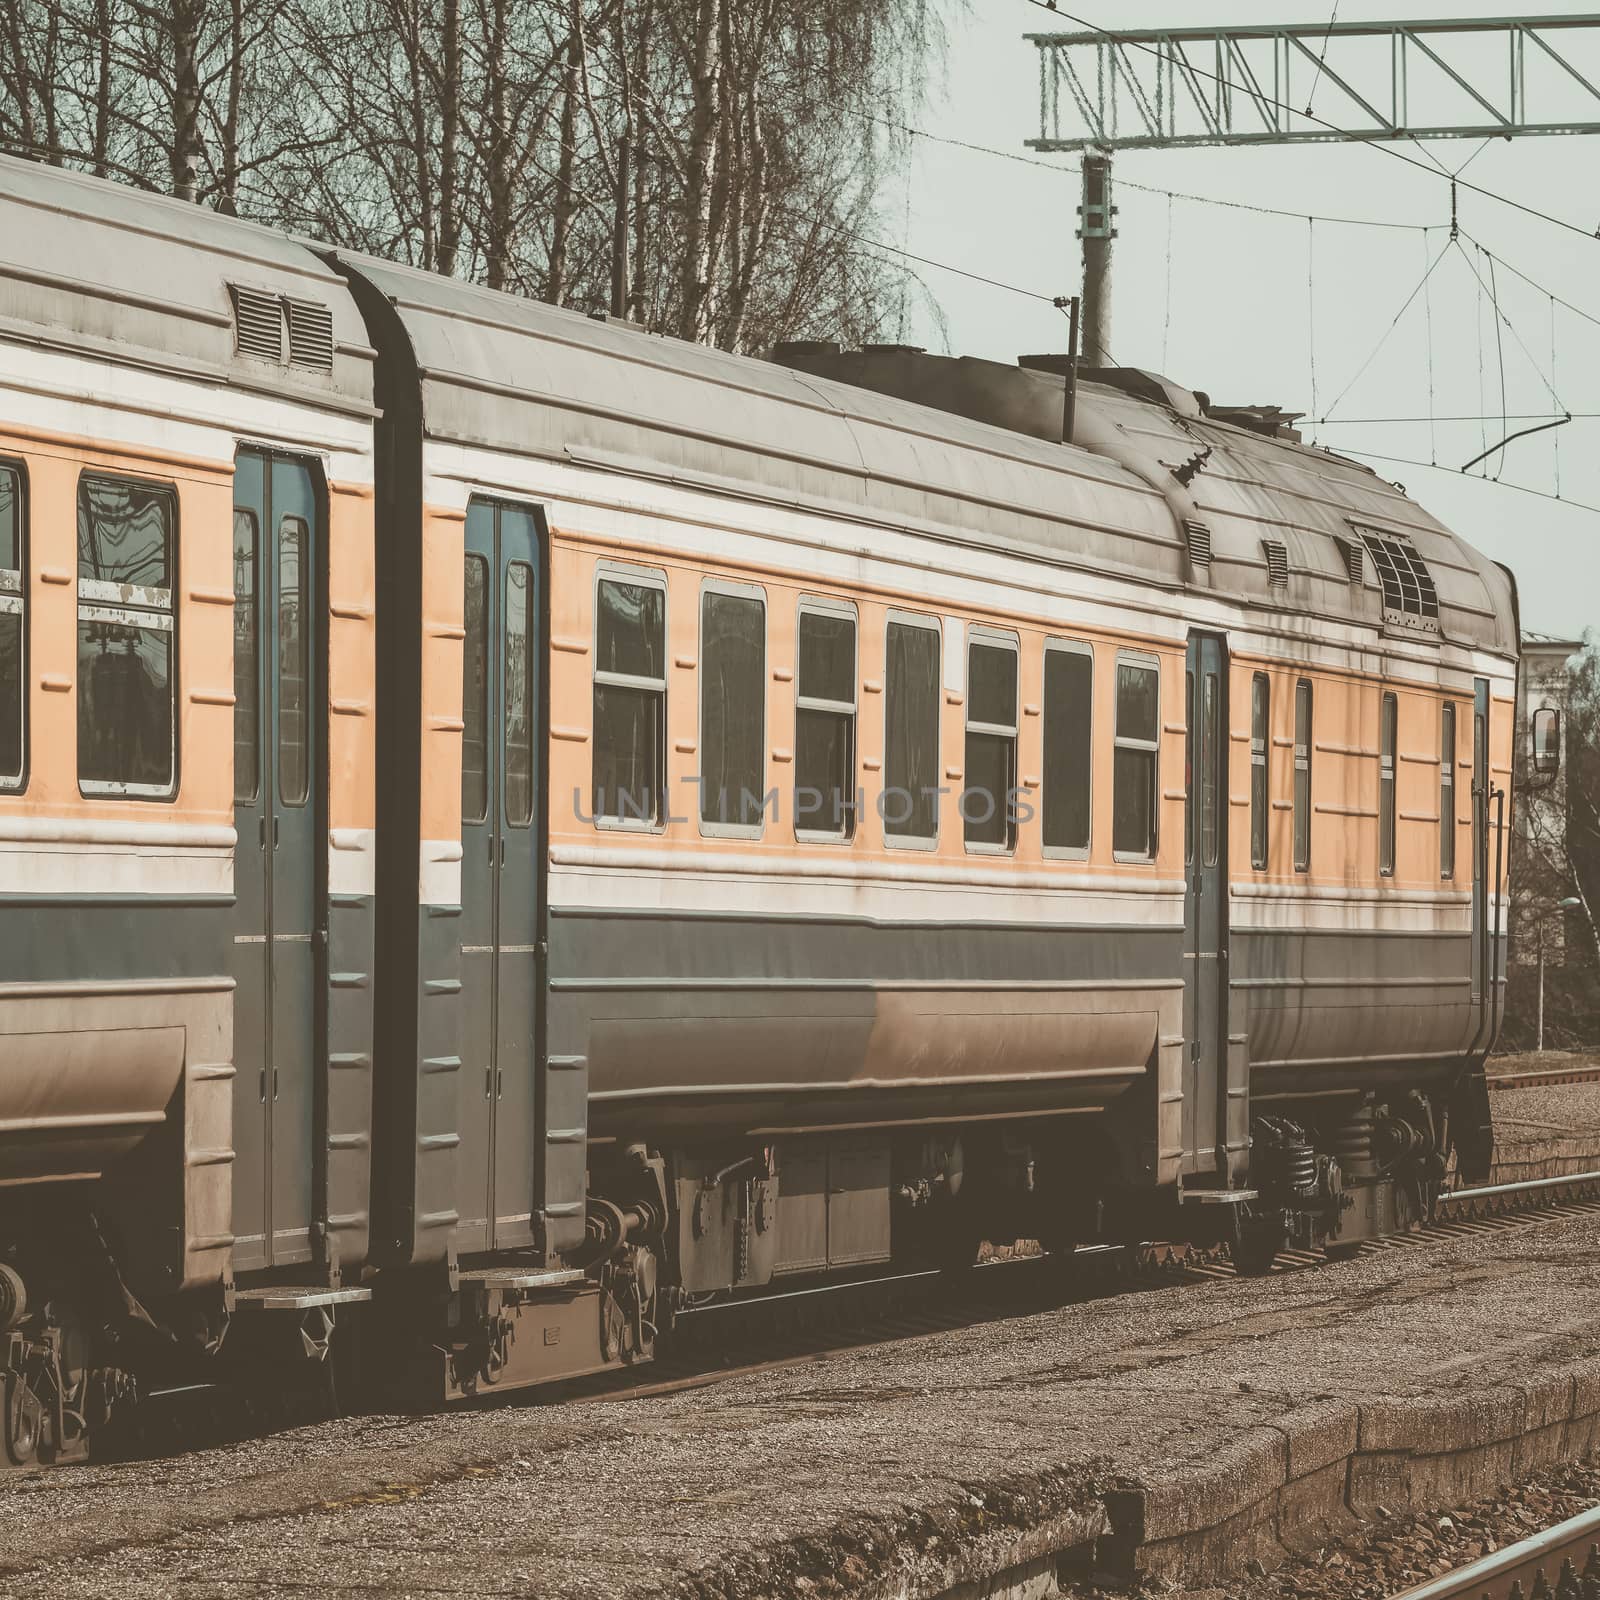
1189,1429
1546,1131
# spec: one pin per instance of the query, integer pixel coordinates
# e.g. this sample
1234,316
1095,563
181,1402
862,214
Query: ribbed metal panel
310,334
1277,555
257,323
1355,564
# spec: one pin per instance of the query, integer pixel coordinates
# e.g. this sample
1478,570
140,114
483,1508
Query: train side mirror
1547,741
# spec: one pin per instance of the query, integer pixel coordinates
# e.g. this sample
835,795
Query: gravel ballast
889,1469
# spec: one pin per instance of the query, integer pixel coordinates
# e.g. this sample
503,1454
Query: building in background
1541,867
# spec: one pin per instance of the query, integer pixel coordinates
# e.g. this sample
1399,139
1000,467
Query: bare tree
709,167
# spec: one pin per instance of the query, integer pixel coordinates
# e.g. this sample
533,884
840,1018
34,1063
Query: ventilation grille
1409,595
1199,536
1354,559
257,323
310,334
1277,555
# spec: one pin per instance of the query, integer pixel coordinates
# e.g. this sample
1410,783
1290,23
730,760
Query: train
512,825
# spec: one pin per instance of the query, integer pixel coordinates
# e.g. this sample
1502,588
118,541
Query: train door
1483,890
1205,996
500,797
278,736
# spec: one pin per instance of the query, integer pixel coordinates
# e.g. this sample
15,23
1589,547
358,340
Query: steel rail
1493,1577
1544,1076
1529,1186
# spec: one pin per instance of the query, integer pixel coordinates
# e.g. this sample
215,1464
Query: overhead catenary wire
1166,320
1500,362
1521,433
1311,303
1394,322
1327,38
1464,416
1557,440
1510,327
1171,195
1456,472
1384,147
867,240
1427,306
1533,283
1059,167
1477,328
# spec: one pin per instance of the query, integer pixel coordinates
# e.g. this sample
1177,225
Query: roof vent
1409,595
310,334
1199,537
1277,555
1354,559
257,323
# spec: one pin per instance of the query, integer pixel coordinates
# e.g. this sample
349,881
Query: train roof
526,377
146,280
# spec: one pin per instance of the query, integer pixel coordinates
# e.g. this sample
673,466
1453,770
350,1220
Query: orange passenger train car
514,828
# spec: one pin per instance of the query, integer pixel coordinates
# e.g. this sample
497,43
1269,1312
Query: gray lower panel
1328,1009
69,940
719,1022
588,947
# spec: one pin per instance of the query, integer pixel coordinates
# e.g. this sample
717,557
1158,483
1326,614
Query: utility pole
1568,904
1096,231
1168,88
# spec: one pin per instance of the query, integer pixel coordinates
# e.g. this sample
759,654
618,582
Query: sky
1270,309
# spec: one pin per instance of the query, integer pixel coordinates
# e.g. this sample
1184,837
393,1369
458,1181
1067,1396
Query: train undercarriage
671,1230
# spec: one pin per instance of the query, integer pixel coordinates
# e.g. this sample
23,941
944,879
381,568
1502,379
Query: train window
127,626
733,709
630,700
1211,766
1134,759
1408,588
519,697
988,795
910,800
1260,756
294,661
13,681
1068,720
1387,732
475,690
1302,776
1447,791
246,658
825,722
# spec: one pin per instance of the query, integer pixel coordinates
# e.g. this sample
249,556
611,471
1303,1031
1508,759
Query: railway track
726,1339
1543,1078
729,1339
1562,1563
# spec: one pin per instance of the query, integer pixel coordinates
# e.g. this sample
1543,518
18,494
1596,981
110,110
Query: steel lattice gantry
1165,87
